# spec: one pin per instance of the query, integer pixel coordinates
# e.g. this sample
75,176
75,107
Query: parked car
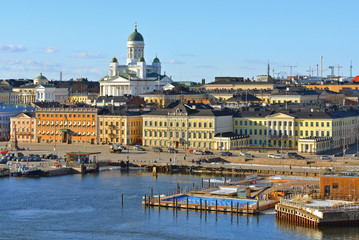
338,154
208,152
275,156
225,153
157,149
295,155
356,155
48,156
325,158
138,148
190,151
172,150
245,154
53,156
198,152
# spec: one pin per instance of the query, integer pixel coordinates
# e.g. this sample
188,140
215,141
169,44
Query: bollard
237,208
187,204
205,205
122,200
247,207
231,207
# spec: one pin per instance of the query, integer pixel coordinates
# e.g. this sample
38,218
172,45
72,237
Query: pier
314,216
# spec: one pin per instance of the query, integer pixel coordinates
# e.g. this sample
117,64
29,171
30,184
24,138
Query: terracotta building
24,126
67,124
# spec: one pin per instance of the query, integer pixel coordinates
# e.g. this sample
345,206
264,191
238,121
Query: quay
229,169
336,213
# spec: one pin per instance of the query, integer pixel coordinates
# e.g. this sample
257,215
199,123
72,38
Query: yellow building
82,97
185,126
164,98
119,127
306,97
307,131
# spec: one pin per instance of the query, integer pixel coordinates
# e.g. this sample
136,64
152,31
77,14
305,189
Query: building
339,184
241,100
50,93
136,77
333,87
305,97
234,83
185,126
26,93
7,111
164,98
24,126
304,130
66,124
8,96
82,97
118,126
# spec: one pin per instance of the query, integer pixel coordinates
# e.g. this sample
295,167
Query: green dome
40,77
141,59
135,36
114,60
156,60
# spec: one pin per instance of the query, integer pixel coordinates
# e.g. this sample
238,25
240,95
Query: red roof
356,79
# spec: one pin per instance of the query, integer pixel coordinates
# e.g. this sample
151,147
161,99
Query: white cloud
9,48
173,61
87,55
50,50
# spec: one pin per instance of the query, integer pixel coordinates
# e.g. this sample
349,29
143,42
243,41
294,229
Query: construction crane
291,68
339,67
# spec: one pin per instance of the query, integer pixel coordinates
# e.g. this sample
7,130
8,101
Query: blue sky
193,39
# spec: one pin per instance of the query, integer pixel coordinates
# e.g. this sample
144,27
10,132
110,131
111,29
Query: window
311,124
296,133
210,124
335,185
205,124
199,124
250,123
236,122
194,125
240,123
327,124
296,124
306,124
245,123
250,131
317,124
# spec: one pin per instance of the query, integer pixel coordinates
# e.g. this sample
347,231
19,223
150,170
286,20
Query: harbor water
89,207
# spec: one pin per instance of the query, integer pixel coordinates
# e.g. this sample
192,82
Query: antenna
268,69
351,68
317,70
321,66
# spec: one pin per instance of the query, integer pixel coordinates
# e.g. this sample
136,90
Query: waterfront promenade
312,163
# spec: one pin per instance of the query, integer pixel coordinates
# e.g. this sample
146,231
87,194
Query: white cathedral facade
136,77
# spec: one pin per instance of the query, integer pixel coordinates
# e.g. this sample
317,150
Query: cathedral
136,77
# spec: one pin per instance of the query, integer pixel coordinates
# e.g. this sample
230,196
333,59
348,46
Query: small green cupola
156,60
114,59
141,59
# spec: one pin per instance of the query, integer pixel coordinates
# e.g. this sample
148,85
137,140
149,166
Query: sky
194,39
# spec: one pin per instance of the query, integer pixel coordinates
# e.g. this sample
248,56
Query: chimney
203,81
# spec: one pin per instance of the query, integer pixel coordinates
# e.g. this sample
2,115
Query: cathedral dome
40,79
141,59
135,36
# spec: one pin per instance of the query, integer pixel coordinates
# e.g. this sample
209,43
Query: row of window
66,115
116,123
283,133
199,135
134,132
281,123
178,124
164,143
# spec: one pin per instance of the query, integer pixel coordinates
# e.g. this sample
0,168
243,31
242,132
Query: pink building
25,125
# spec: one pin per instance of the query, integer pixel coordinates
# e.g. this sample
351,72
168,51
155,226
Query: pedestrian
170,159
290,166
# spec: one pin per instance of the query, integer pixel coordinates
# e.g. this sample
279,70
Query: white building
49,93
136,77
8,96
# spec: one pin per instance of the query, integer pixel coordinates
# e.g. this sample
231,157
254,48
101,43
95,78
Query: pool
210,201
